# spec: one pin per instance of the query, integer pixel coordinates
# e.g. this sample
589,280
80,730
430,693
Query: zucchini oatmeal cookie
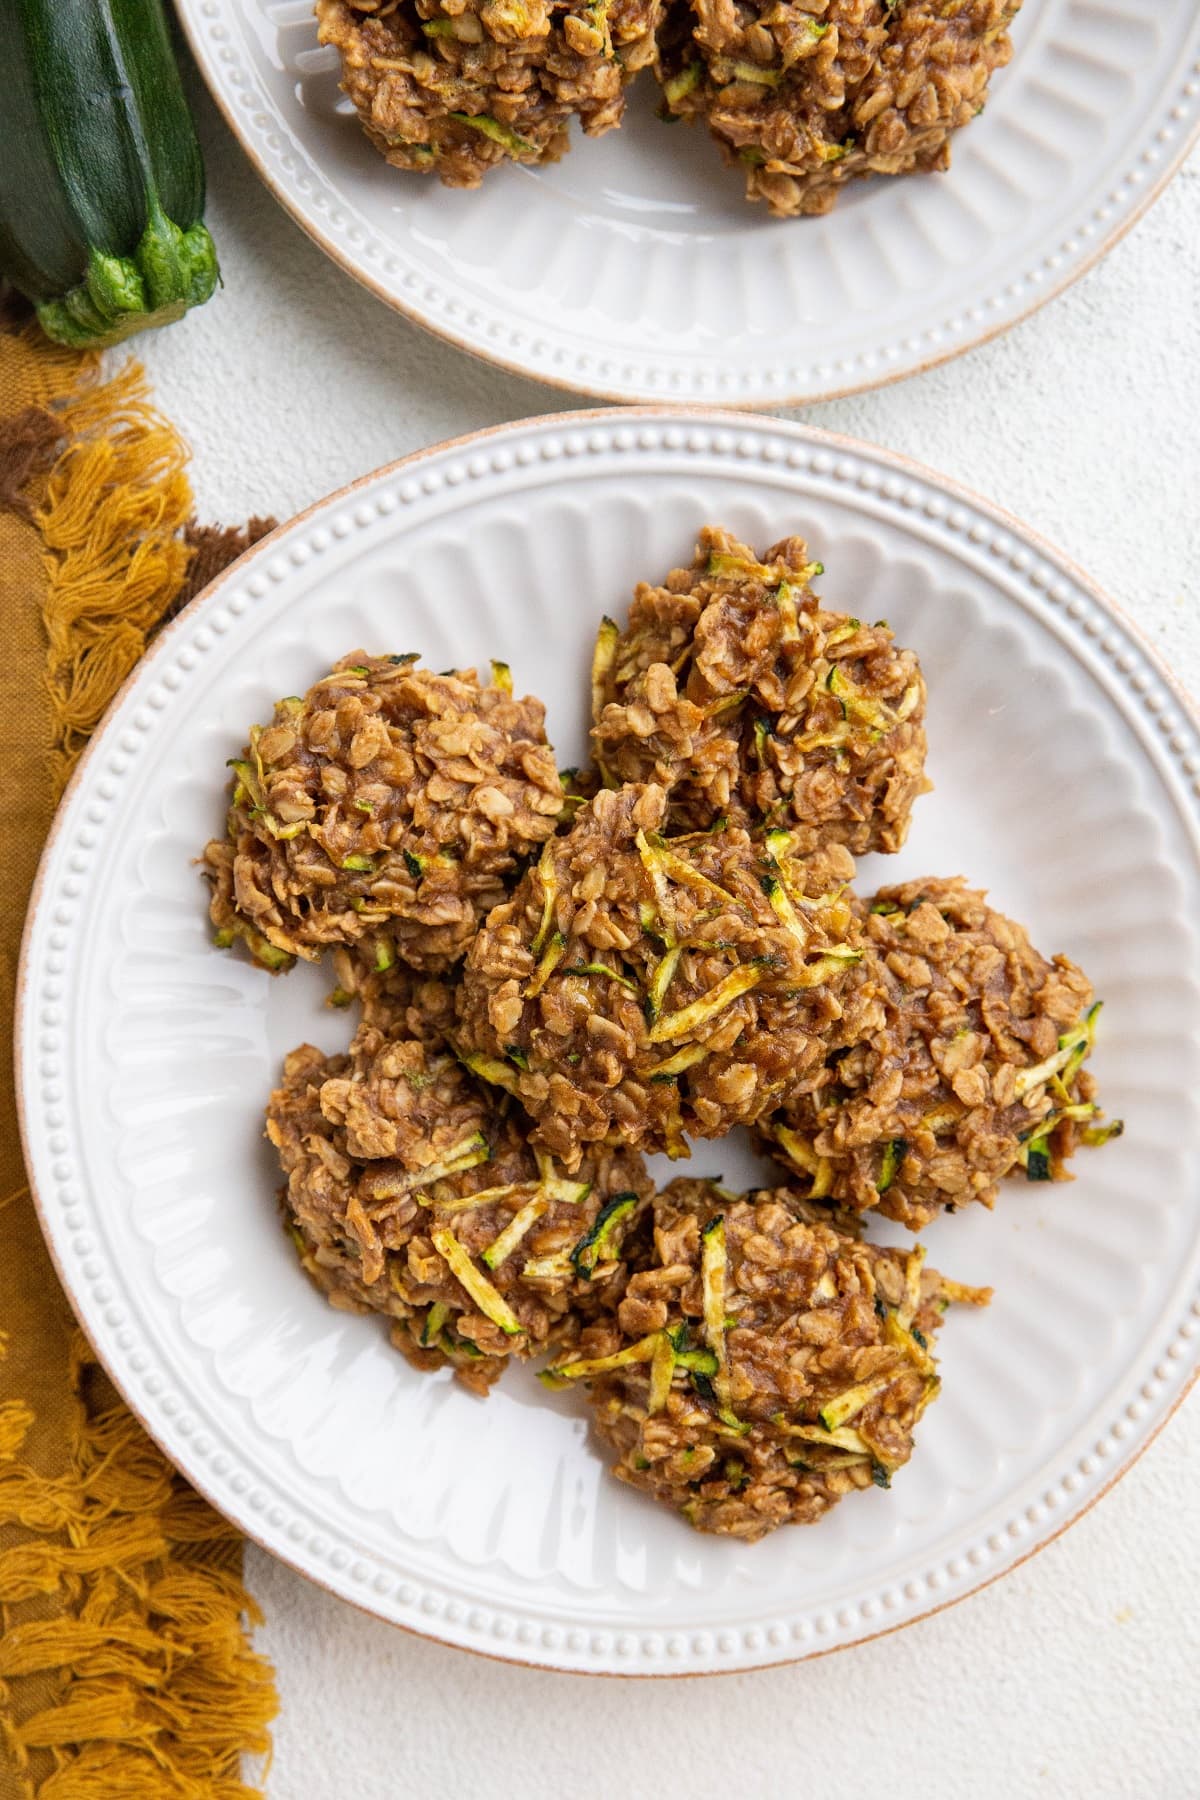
636,988
760,1364
808,97
412,1192
458,87
398,1001
735,688
970,1064
388,808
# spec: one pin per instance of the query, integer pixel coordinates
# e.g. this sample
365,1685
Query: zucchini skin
102,182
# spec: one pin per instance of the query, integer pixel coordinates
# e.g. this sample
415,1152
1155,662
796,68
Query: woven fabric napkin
125,1668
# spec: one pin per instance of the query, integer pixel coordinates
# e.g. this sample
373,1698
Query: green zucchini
501,134
600,1244
894,1153
603,658
697,1361
101,180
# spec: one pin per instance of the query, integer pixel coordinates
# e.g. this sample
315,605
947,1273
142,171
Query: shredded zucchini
849,1404
660,981
785,912
658,857
713,1266
596,968
942,1118
486,1197
464,1155
687,1058
517,1227
779,847
302,1247
785,600
247,790
551,956
662,1371
840,1438
250,792
905,1339
703,1385
718,709
1036,1159
1073,1048
675,1142
834,961
722,563
597,1245
650,922
837,739
504,135
642,1351
1091,1020
908,701
855,704
548,876
261,949
435,1318
490,1302
557,1187
653,866
804,1157
273,825
913,1264
695,1359
603,657
689,1018
493,1071
502,677
679,85
548,1268
894,1153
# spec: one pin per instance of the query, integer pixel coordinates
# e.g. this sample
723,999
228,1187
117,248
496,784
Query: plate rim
1092,244
87,1309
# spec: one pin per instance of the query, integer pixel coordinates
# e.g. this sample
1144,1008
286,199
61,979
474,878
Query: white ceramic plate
1067,779
635,270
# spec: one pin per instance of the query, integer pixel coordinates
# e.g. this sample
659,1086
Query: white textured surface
1072,1677
635,270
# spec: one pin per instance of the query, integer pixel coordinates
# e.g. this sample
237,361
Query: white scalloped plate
1067,780
634,270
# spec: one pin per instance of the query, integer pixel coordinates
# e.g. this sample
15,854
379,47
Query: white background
1075,1676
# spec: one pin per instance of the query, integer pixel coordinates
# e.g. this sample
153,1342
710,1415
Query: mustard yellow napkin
125,1670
